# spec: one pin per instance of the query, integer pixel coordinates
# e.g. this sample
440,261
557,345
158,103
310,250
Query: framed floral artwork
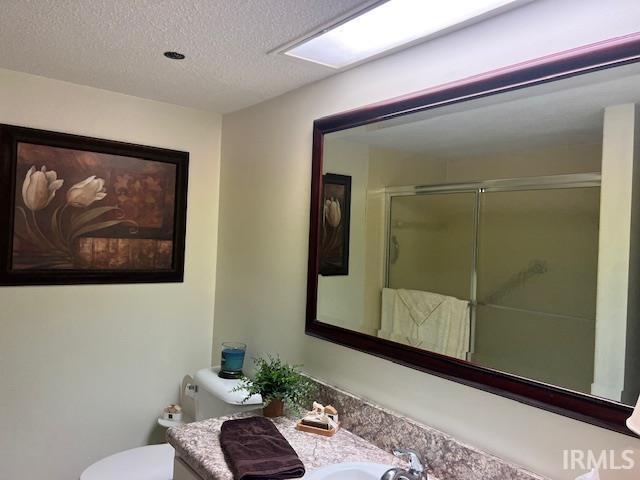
334,231
84,210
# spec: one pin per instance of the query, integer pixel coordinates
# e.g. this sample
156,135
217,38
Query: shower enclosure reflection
490,231
466,271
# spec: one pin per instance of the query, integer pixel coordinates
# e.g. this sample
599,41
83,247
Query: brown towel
255,449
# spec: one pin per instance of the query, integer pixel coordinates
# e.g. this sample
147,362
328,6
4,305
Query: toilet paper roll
190,390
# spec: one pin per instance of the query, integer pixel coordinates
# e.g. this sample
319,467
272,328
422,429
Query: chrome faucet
416,469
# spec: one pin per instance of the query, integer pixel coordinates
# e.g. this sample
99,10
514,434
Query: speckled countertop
198,445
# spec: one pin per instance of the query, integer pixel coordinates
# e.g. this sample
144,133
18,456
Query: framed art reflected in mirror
334,236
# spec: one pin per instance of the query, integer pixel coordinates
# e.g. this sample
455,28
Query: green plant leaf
87,216
275,379
98,226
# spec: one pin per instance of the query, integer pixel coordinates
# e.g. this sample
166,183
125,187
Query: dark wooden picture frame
594,410
81,210
334,236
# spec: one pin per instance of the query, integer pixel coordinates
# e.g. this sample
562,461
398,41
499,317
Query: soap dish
320,431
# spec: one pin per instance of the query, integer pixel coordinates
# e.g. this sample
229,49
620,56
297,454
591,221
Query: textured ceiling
118,44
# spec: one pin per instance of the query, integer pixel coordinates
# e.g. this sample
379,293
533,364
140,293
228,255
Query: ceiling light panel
390,25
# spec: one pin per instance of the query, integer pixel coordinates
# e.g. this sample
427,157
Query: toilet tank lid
222,388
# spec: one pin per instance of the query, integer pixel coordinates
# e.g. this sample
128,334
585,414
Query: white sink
348,471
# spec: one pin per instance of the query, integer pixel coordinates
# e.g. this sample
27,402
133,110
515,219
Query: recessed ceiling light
389,26
174,55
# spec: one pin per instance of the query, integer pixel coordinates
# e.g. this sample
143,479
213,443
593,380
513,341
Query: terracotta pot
275,408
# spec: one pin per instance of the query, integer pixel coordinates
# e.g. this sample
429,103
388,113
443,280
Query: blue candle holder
232,360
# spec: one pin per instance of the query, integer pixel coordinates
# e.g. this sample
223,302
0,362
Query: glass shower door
537,273
430,265
431,243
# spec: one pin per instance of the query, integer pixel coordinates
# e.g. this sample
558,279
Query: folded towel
420,305
255,449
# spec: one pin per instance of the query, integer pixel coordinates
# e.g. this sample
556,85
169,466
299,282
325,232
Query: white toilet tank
214,396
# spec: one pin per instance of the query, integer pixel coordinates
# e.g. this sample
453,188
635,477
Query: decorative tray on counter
320,431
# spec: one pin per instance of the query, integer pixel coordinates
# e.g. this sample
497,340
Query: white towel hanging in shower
426,320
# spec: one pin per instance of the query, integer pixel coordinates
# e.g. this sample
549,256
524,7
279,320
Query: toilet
204,396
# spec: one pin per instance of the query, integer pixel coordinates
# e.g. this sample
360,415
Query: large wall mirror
487,231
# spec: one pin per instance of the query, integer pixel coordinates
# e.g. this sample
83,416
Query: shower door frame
548,182
603,55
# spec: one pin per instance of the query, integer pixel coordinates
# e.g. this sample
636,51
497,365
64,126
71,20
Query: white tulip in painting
332,212
39,188
84,193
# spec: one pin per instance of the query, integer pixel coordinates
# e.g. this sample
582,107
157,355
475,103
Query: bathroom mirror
486,231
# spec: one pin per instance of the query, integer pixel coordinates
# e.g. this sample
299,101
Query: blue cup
232,359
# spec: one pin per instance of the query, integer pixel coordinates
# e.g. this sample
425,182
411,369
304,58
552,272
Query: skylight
390,25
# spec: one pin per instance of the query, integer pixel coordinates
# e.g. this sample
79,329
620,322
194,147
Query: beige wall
264,226
341,297
618,164
632,367
85,370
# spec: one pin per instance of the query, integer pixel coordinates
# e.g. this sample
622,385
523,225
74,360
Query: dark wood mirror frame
597,411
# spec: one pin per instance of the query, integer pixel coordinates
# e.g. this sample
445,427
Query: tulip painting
56,241
79,210
334,228
65,205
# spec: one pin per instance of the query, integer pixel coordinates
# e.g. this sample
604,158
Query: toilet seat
153,462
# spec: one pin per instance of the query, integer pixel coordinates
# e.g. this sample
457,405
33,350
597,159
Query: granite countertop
197,445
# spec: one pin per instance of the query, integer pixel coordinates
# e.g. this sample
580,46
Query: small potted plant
279,384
